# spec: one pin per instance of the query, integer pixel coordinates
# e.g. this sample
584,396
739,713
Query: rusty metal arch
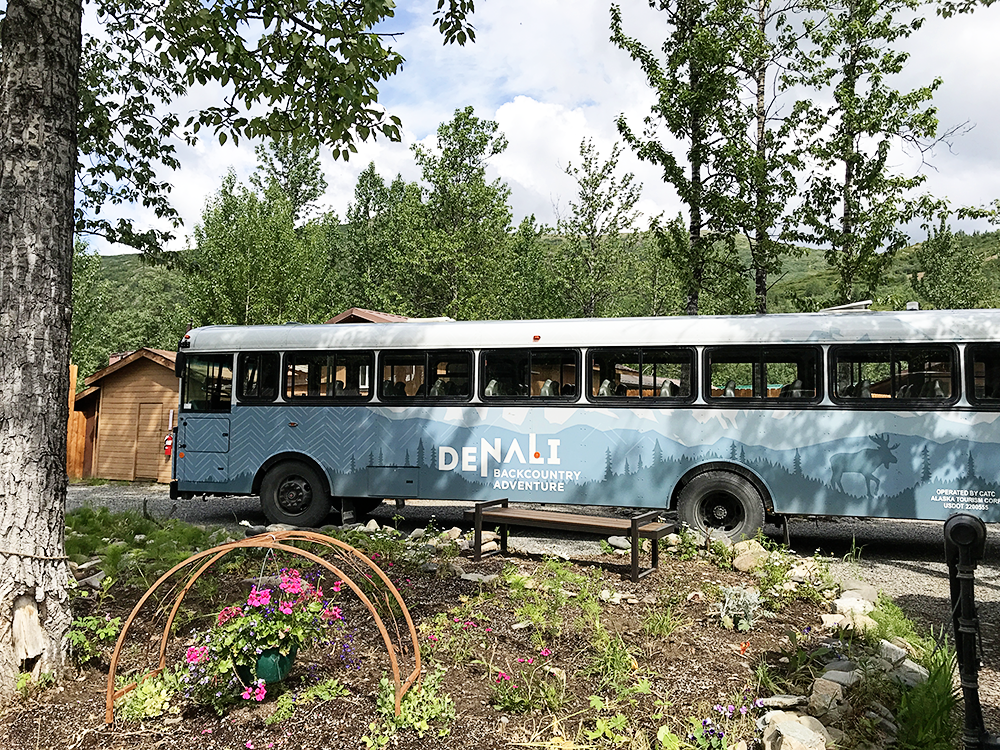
275,541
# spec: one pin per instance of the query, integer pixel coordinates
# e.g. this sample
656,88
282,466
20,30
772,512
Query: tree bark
39,71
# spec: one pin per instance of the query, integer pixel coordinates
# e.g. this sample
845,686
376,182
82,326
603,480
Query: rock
490,536
785,701
850,606
815,725
909,673
429,567
417,534
489,547
255,531
832,622
605,595
463,545
453,533
790,735
620,542
281,527
855,589
883,723
891,652
747,555
94,581
825,696
521,625
860,623
456,570
557,672
841,665
843,678
673,540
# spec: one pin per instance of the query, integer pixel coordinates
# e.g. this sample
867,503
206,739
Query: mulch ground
698,665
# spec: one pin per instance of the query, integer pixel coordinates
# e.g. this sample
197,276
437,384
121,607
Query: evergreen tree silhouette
638,466
407,463
371,459
627,472
420,452
381,458
797,464
354,467
970,469
431,452
743,455
657,453
732,451
608,473
925,464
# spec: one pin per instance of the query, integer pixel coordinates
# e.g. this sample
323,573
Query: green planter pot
272,666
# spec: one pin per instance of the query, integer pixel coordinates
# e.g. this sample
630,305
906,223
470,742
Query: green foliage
152,697
854,205
250,264
794,668
27,687
927,715
89,636
447,247
951,271
740,608
613,666
150,55
424,708
287,702
139,562
598,255
663,620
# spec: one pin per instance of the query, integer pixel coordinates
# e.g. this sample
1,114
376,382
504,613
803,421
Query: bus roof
917,326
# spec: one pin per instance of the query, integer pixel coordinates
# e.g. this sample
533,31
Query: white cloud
548,74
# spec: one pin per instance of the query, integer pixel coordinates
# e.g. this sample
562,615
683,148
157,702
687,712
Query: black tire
363,506
293,493
722,502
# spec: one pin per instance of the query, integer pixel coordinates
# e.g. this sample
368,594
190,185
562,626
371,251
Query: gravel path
903,559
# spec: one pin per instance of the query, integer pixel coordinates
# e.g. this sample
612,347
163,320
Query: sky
546,71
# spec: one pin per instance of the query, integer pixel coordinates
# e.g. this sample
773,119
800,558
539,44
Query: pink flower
332,613
285,608
545,652
249,745
260,692
246,696
291,582
228,614
259,598
432,637
207,731
196,654
336,586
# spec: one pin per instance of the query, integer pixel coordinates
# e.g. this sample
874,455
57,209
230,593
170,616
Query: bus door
203,428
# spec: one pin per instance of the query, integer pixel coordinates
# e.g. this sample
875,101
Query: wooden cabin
130,407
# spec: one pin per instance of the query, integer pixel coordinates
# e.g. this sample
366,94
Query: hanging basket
272,666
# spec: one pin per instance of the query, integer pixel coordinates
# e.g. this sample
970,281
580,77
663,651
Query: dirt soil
698,665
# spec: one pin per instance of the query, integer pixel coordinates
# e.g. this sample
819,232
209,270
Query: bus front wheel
721,502
293,493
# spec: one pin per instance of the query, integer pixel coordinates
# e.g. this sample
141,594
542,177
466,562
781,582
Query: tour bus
730,421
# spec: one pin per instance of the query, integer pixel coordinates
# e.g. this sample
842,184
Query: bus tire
293,493
721,502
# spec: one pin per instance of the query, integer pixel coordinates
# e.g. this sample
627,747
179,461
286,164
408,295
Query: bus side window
403,375
983,365
208,382
258,376
884,374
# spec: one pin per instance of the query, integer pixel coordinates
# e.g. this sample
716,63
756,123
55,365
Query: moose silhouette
864,462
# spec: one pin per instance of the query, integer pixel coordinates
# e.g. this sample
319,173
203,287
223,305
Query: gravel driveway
903,559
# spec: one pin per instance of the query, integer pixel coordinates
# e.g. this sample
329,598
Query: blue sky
548,74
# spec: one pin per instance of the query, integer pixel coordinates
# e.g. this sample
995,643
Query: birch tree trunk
39,70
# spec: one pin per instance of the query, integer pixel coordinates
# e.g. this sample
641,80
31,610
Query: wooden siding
76,432
134,416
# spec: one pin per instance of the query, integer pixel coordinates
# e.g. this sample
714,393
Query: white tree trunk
39,71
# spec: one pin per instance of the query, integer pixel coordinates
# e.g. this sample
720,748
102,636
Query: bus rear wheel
721,502
293,493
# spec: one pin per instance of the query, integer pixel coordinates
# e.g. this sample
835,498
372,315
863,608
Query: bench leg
635,550
477,549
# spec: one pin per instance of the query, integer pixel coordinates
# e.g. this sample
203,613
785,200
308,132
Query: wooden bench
642,526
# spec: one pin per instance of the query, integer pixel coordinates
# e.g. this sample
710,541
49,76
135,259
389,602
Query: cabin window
641,373
881,374
530,373
208,382
327,375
